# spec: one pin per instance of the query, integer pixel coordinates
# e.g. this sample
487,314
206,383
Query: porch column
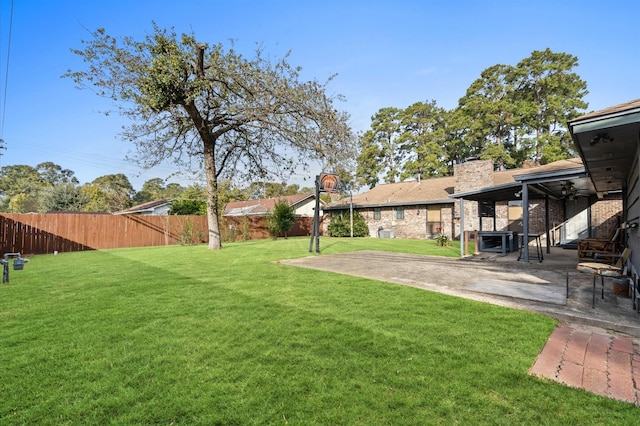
525,221
462,228
546,221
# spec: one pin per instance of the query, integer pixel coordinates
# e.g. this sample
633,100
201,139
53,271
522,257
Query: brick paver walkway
596,361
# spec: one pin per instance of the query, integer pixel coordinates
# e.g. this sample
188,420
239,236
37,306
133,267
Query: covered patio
564,183
608,142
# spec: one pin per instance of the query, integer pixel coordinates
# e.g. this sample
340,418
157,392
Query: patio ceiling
607,141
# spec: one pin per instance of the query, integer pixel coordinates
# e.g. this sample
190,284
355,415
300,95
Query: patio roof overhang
607,141
541,185
344,206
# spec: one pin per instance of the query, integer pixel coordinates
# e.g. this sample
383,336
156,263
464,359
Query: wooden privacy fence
239,228
65,232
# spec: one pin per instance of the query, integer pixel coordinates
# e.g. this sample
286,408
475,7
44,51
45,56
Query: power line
6,77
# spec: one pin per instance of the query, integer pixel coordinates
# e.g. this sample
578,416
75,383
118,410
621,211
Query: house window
434,220
399,213
376,213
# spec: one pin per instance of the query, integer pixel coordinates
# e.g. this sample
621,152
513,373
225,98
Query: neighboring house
609,144
303,205
150,208
479,198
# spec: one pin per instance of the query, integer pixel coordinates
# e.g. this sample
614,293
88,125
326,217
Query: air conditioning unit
387,233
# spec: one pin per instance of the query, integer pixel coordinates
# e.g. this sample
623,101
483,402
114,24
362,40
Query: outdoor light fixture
563,190
568,190
601,137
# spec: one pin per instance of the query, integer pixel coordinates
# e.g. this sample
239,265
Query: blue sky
385,54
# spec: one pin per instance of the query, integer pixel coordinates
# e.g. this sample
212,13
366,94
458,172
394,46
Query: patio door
576,226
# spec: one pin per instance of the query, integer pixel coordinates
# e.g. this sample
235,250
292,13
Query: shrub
186,233
188,207
441,239
228,232
281,219
245,228
340,225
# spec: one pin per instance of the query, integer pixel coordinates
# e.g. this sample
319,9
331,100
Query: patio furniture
604,270
497,241
604,249
538,244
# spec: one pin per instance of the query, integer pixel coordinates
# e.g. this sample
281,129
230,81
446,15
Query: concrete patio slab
519,290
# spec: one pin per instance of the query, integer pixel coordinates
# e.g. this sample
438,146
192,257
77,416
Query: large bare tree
191,101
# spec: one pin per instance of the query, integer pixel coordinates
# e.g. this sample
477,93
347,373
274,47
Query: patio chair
603,270
605,249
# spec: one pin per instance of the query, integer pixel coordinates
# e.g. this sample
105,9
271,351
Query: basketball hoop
328,183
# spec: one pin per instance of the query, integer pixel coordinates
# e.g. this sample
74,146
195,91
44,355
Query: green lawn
183,335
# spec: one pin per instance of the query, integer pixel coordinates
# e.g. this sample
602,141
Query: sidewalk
591,359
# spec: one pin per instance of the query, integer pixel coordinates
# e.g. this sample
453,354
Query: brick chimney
472,175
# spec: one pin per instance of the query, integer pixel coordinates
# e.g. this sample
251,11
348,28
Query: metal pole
462,227
315,214
525,221
546,220
351,213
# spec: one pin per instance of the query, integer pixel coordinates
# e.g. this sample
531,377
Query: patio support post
525,221
546,221
462,228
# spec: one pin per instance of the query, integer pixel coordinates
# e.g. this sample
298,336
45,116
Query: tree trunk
215,242
209,144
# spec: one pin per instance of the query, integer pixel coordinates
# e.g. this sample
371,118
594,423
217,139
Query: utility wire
6,80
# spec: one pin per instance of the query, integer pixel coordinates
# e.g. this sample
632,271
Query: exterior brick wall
537,215
446,215
413,225
473,175
606,217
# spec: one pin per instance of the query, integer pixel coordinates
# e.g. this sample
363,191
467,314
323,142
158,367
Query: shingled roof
438,190
426,191
610,110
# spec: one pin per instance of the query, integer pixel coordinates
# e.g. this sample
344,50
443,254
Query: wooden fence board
66,232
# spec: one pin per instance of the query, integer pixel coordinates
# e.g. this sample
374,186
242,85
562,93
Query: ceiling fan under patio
568,190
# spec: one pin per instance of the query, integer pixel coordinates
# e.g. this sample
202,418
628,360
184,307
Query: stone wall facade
606,217
473,175
412,224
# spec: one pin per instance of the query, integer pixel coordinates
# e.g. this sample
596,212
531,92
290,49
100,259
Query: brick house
491,201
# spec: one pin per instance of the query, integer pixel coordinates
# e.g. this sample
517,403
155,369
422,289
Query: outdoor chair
604,270
600,249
